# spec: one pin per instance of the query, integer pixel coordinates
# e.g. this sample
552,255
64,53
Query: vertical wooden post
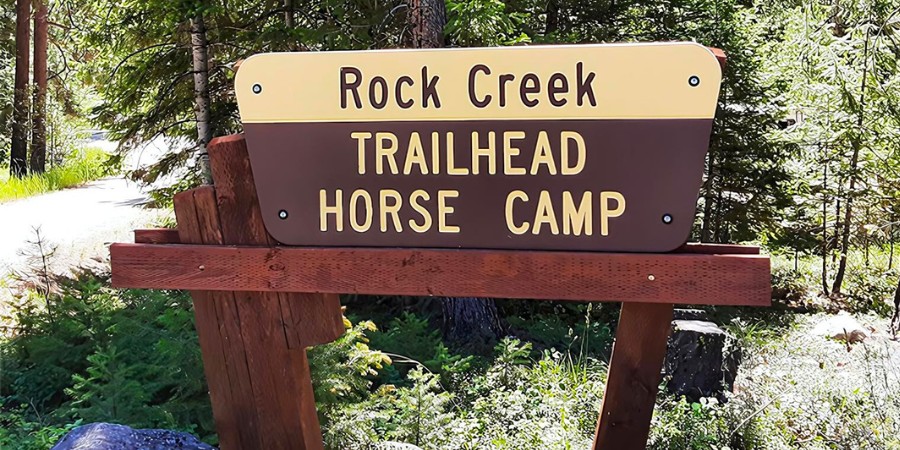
253,343
634,376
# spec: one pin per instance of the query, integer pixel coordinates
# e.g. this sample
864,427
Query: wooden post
253,343
258,305
634,376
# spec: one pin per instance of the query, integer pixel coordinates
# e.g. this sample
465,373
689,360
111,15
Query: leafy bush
870,290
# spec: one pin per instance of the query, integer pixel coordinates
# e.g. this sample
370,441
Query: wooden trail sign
587,147
259,304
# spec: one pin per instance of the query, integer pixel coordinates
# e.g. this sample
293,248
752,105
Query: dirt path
79,222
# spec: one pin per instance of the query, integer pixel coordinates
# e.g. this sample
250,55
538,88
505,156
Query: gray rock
108,436
702,360
690,314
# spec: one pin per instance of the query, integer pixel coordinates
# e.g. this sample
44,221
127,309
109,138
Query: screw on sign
454,173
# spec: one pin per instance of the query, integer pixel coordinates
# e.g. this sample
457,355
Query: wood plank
634,376
222,348
720,56
628,277
308,319
169,236
275,343
718,249
157,236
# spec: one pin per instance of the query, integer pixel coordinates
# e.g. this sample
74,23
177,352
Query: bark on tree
854,165
895,321
825,226
706,226
552,25
289,13
426,21
38,159
200,53
471,322
18,156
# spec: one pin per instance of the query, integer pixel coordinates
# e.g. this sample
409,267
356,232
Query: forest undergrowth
91,353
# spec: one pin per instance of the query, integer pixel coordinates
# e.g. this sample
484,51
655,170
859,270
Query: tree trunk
854,164
200,53
706,225
289,13
552,25
825,226
471,322
891,256
895,321
426,21
38,160
18,156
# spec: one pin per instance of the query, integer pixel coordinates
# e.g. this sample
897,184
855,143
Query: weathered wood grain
221,345
167,236
307,319
674,278
274,341
634,376
156,236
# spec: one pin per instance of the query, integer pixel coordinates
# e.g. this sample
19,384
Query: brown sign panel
597,147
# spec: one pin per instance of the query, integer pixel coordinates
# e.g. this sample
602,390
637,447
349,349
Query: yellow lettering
325,210
576,219
415,155
392,210
606,212
565,137
489,152
544,215
509,151
444,210
451,169
385,148
426,216
354,210
543,155
361,137
435,153
510,199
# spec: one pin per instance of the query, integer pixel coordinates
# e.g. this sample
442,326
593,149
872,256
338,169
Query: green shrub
81,167
871,289
411,342
100,354
517,402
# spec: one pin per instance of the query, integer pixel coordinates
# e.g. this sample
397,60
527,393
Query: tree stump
702,360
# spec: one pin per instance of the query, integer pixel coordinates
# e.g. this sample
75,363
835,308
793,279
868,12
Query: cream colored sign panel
577,82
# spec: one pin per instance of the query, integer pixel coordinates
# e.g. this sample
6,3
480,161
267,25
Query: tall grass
85,165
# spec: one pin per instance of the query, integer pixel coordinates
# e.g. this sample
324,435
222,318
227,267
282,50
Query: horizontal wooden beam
718,249
170,236
651,278
157,236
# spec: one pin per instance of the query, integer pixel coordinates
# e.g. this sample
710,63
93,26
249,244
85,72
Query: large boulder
108,436
702,360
